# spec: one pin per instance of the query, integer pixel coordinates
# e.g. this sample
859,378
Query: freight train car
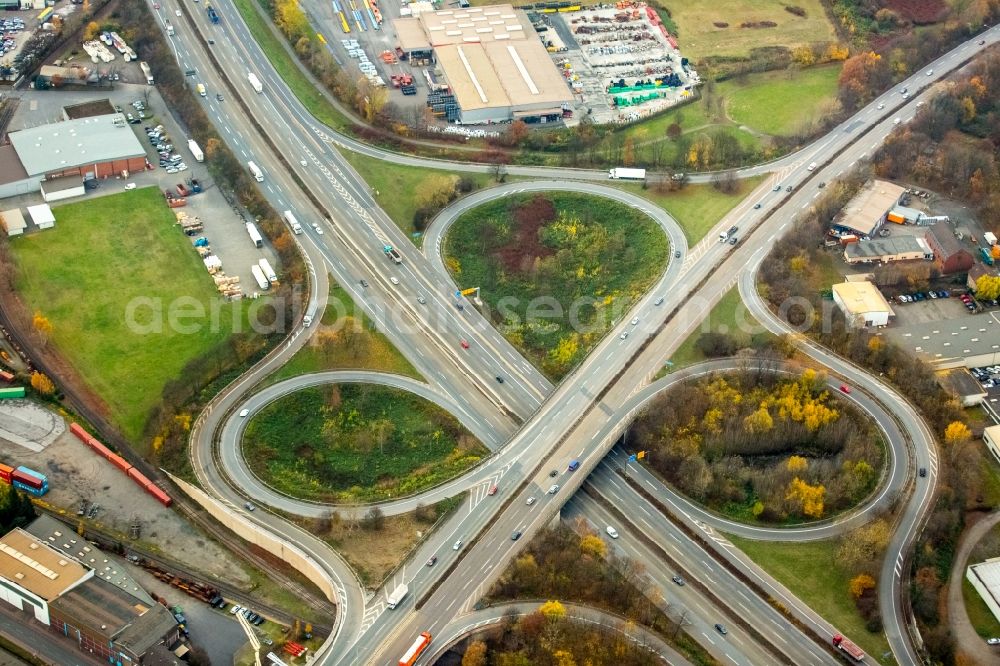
122,464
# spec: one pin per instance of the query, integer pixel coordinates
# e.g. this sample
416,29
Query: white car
173,170
612,532
897,121
635,321
553,489
458,544
930,72
182,167
623,335
317,228
130,186
177,12
235,609
531,500
394,280
244,413
881,106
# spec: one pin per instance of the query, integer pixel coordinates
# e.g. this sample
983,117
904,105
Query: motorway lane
427,332
478,620
736,647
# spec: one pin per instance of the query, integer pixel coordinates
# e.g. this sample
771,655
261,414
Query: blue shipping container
34,491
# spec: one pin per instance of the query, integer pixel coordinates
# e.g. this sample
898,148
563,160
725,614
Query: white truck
147,72
628,174
258,275
170,29
307,320
196,150
255,236
397,595
292,222
258,87
269,273
258,175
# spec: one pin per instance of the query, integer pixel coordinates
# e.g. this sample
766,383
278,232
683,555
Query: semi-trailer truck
258,87
307,320
629,174
258,275
846,646
269,273
292,222
255,236
397,595
255,171
393,254
196,150
146,71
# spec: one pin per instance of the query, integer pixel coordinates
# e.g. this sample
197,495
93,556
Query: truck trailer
255,171
846,646
258,87
397,595
196,150
255,236
292,222
410,656
269,273
259,276
146,71
628,174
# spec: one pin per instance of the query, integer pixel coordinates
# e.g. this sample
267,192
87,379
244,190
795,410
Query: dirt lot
76,474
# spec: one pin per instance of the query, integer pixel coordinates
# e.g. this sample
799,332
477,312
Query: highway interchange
533,426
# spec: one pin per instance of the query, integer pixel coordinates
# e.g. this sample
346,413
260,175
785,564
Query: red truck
852,650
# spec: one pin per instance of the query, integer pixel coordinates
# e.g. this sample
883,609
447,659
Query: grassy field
103,256
697,208
728,316
781,103
700,38
347,340
356,443
825,589
395,186
556,269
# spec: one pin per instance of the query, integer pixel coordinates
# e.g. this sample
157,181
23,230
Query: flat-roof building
950,255
93,147
496,67
862,304
40,571
961,384
970,342
866,212
991,437
886,250
985,577
13,222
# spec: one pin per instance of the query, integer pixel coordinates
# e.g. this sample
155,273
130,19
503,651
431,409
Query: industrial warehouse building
862,304
866,212
496,67
985,577
61,581
968,342
991,437
949,254
886,250
84,148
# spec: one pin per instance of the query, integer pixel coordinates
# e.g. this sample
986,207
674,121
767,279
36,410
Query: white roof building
862,304
985,577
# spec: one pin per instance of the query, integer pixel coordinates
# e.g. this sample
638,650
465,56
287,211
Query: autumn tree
42,325
553,610
988,287
861,584
862,549
42,384
957,433
593,546
91,32
475,654
810,498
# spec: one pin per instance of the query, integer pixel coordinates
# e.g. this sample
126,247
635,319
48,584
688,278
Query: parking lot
927,309
224,228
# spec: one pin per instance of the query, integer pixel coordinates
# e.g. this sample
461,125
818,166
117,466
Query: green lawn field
825,589
357,443
700,38
728,316
110,260
781,103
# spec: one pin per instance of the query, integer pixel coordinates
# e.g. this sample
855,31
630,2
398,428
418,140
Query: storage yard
479,66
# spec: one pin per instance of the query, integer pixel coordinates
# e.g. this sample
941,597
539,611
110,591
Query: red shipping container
5,472
138,477
78,430
120,462
26,479
160,496
6,376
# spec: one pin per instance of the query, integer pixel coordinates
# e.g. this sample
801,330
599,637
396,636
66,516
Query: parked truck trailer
269,273
196,150
259,276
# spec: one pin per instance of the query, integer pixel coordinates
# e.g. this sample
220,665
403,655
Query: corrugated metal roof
74,143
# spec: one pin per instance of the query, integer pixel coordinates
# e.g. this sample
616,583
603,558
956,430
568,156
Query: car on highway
516,535
788,189
658,301
623,335
903,90
459,306
465,344
319,230
845,388
553,489
677,254
553,472
930,72
721,628
493,490
897,121
303,163
906,95
177,12
394,280
218,96
880,106
822,184
982,41
249,506
499,379
364,283
431,562
573,465
458,544
678,580
244,413
777,188
531,500
421,300
734,240
635,321
756,206
922,472
612,532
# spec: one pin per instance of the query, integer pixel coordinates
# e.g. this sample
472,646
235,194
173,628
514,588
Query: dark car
923,472
721,628
677,254
218,96
553,472
516,535
500,379
822,184
678,580
431,562
364,283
